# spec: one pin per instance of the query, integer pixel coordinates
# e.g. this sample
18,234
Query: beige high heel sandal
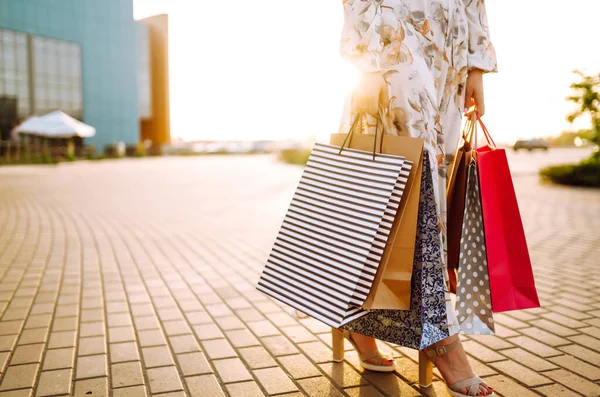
427,360
338,336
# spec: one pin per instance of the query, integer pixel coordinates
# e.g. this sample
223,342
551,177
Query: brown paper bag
392,286
455,197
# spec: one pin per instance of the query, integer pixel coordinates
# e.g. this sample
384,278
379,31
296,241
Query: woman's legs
454,366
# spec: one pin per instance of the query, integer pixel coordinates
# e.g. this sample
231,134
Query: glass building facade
79,56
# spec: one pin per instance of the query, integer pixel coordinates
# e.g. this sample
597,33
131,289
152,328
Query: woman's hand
370,92
474,91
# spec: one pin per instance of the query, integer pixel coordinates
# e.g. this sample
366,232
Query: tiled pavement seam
223,267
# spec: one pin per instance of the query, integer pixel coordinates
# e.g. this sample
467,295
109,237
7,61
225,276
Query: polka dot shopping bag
473,295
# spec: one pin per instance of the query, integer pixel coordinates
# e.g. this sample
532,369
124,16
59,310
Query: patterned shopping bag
427,320
473,298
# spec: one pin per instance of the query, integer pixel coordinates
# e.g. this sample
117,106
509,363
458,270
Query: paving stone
218,348
65,324
7,342
263,328
184,344
3,361
581,367
365,391
38,321
298,334
28,354
534,346
529,360
298,366
61,339
582,353
177,327
231,370
121,352
392,385
120,334
59,358
574,382
343,375
556,390
200,317
134,391
545,337
127,374
164,379
91,329
54,383
193,364
91,346
168,314
146,322
241,338
151,338
17,393
204,385
520,372
281,319
274,380
587,341
20,376
507,387
554,328
172,394
92,387
245,389
91,366
157,356
249,315
66,310
119,320
279,345
10,327
319,387
207,331
257,357
92,315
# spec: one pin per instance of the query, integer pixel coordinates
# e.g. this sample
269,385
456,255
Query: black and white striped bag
330,244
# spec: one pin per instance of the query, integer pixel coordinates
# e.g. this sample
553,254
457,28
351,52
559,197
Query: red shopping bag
511,276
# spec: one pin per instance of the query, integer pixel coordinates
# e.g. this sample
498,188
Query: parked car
531,144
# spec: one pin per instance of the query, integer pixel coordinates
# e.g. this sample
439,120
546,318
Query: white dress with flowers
424,49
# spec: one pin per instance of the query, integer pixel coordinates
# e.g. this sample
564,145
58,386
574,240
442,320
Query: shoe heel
425,370
337,343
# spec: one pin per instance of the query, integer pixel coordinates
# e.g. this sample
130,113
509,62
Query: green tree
587,97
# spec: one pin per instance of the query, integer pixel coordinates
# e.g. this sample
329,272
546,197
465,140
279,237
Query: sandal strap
370,355
472,384
366,355
434,352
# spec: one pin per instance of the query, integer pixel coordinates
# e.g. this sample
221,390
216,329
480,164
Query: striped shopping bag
328,249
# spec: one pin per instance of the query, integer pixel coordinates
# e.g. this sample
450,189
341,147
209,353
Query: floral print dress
424,49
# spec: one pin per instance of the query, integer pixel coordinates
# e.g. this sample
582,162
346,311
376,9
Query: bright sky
271,69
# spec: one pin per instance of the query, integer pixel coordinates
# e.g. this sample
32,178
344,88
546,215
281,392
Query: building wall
157,128
106,31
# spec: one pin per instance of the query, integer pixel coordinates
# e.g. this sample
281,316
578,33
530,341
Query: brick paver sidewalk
136,278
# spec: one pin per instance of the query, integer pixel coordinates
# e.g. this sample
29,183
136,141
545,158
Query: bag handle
358,117
486,133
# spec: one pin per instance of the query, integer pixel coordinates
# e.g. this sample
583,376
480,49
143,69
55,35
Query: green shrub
294,156
586,173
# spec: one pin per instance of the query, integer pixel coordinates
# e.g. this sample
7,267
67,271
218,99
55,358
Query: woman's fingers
479,102
468,97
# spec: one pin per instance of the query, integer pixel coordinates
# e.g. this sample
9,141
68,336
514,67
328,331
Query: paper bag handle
358,117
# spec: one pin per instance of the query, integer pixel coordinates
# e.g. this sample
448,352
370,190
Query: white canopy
56,125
